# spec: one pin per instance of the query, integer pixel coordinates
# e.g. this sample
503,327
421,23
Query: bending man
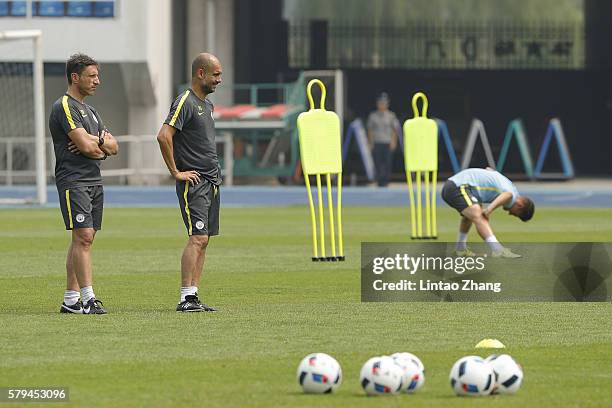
467,190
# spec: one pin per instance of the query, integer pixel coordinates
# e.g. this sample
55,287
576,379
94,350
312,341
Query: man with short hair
382,137
467,190
187,144
80,141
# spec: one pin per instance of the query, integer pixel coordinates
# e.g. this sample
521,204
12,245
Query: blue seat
104,9
51,8
18,9
4,8
79,9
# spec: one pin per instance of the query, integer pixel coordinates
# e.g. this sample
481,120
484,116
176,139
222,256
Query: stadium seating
18,9
51,8
80,9
104,9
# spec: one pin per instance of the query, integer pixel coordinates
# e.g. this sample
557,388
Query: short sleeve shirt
382,125
73,170
489,184
194,142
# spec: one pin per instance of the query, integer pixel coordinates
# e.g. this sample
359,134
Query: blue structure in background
357,130
104,9
79,9
516,131
51,8
555,130
18,9
445,135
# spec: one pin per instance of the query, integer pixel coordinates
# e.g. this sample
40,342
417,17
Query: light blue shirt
489,184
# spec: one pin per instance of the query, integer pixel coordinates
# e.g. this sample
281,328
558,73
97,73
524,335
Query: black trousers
382,161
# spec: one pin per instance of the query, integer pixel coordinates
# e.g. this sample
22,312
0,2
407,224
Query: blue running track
595,195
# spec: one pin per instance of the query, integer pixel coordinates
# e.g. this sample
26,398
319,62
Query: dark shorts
460,197
82,207
199,207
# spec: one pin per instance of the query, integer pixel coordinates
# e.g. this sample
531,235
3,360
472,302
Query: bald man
187,144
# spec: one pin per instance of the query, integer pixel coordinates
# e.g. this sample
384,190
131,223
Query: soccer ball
412,367
412,357
472,375
381,376
319,373
508,374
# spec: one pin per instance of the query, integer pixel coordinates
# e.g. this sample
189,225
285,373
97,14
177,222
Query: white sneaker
505,253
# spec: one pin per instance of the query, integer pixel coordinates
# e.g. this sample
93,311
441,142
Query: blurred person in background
382,137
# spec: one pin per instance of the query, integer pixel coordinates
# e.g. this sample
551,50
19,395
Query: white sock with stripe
193,290
185,291
494,243
71,297
87,293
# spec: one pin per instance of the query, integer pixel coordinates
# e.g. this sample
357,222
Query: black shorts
460,197
199,207
82,207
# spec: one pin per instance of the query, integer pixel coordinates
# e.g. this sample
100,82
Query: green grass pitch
276,306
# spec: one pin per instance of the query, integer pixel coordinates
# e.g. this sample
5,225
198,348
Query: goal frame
39,109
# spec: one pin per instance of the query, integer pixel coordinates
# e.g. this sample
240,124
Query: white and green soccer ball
473,376
508,373
319,373
381,376
413,371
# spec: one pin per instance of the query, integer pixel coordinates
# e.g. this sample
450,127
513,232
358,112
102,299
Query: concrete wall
139,34
220,43
110,39
134,50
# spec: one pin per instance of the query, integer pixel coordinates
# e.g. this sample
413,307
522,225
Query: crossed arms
83,143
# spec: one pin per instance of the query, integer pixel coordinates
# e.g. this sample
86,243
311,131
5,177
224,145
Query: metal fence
132,166
445,45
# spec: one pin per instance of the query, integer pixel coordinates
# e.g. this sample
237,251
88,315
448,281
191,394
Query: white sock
71,297
87,293
185,291
494,243
462,241
193,290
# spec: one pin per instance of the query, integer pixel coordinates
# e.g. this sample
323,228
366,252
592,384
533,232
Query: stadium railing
132,166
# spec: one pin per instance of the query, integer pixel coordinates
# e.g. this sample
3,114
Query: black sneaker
76,308
93,306
190,304
204,307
